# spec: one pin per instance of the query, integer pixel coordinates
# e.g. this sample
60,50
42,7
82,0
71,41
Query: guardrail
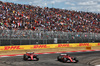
28,37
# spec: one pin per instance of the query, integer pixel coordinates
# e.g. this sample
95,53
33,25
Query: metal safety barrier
23,37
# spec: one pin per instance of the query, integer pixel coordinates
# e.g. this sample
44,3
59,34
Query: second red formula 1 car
30,56
66,58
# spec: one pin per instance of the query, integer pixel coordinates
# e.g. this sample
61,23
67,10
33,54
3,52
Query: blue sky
78,5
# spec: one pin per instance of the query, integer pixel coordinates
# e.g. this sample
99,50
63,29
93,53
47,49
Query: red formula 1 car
66,58
30,56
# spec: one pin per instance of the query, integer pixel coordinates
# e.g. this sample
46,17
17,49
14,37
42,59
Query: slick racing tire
59,58
75,60
25,57
37,59
64,60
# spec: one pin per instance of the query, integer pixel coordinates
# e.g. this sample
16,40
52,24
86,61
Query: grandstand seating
26,24
26,17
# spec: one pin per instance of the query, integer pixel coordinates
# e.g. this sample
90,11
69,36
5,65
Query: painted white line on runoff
88,51
18,55
46,53
5,56
79,51
58,52
97,65
97,50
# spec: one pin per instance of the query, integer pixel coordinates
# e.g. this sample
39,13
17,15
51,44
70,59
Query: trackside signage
10,48
39,46
84,44
44,46
64,45
98,44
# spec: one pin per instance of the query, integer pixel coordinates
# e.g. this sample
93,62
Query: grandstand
26,24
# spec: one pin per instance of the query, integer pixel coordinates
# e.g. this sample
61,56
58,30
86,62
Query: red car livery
66,58
30,56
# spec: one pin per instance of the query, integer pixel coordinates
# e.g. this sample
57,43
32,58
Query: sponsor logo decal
40,46
64,45
84,44
98,44
12,47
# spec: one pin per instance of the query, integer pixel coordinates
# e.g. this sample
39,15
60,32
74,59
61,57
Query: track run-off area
89,58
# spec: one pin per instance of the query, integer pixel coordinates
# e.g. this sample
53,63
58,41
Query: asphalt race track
85,59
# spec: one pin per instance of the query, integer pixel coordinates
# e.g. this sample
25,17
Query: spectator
27,17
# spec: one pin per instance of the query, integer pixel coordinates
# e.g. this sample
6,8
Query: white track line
46,53
97,65
5,56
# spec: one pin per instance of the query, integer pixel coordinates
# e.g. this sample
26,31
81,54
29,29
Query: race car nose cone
31,57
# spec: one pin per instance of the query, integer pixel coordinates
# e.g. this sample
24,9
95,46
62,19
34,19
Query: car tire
25,57
59,58
75,60
37,59
64,60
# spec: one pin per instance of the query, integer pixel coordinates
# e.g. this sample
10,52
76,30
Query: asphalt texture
85,59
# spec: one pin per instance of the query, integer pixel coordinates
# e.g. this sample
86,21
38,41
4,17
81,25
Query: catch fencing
29,37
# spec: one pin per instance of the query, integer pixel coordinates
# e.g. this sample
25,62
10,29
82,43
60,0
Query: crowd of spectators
26,17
